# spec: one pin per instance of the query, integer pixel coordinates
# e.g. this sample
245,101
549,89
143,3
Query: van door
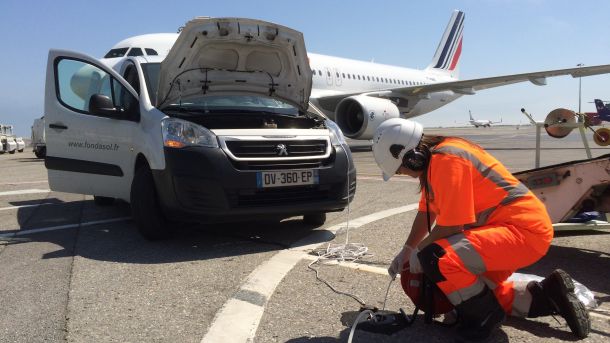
91,115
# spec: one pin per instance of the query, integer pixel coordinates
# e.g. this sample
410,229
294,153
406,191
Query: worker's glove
414,264
398,262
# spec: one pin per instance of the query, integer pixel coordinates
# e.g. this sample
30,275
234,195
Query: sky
500,37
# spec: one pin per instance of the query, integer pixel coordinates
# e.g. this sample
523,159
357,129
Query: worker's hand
398,262
414,264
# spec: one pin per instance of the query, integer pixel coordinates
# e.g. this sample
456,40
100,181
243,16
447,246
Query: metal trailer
570,188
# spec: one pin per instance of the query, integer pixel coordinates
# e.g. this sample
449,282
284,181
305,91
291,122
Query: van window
77,81
135,52
151,77
120,52
151,52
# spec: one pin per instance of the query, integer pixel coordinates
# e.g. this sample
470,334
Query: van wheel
38,154
145,207
317,219
20,150
103,201
12,152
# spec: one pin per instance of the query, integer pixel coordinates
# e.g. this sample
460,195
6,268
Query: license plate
281,178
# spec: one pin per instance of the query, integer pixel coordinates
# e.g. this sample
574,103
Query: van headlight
178,133
336,136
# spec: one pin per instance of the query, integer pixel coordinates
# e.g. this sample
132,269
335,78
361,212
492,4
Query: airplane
481,122
602,114
360,95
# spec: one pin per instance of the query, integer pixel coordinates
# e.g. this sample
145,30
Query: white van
216,131
39,145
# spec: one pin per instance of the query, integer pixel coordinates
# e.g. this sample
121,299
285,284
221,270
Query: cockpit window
151,52
120,52
135,52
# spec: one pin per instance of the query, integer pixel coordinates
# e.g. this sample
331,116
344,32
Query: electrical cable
341,252
358,320
346,252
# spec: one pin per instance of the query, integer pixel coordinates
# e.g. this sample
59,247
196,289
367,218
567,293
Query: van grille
281,196
270,149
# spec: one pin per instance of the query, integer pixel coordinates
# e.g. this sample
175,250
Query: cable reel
553,121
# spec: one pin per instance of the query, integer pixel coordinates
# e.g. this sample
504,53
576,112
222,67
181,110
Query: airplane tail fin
447,56
601,108
470,114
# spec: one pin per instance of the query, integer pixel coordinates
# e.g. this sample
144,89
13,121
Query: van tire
12,152
20,150
145,208
41,152
316,219
103,201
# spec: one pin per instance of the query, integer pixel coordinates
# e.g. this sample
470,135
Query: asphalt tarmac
73,271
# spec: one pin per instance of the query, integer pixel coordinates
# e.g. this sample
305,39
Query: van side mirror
102,105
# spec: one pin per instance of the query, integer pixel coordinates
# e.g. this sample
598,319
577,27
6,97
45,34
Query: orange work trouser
486,256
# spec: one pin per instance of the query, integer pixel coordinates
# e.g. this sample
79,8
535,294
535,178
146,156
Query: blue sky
500,37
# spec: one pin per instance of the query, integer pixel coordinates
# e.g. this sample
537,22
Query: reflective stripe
466,252
490,284
522,301
466,293
514,192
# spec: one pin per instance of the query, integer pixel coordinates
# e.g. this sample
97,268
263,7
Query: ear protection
415,159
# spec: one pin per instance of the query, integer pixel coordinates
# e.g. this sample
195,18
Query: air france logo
281,150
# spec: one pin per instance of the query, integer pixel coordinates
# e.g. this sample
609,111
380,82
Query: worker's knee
429,257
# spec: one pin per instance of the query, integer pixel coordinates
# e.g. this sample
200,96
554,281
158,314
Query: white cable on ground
357,321
341,252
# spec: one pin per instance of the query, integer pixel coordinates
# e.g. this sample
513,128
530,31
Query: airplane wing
469,87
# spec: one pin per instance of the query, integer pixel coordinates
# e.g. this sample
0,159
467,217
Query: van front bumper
204,185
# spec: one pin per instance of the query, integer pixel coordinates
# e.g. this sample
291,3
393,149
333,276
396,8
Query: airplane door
88,150
338,78
329,76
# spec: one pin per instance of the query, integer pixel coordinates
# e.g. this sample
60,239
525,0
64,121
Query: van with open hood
217,130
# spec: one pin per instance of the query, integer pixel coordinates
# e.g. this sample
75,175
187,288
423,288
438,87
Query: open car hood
236,56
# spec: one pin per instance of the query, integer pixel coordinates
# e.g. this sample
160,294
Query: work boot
478,317
555,295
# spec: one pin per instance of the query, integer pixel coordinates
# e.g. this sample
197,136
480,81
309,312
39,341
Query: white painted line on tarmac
24,206
239,317
600,315
21,183
25,191
19,232
378,178
352,265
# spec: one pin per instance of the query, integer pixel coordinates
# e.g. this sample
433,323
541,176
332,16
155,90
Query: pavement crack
71,273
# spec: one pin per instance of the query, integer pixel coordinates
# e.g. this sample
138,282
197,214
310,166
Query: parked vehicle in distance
7,140
20,144
218,130
39,145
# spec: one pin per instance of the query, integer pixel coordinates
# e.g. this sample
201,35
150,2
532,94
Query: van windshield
216,103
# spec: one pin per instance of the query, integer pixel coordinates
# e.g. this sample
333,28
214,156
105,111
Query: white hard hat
395,131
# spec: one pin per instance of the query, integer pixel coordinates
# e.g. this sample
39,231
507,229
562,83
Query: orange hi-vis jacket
468,186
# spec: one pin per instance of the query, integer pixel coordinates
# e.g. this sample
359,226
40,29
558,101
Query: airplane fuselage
336,76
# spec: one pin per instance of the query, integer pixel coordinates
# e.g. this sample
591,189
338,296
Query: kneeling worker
488,225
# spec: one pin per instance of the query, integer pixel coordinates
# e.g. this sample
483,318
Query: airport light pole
580,65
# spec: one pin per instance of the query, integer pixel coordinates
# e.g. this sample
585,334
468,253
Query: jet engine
359,116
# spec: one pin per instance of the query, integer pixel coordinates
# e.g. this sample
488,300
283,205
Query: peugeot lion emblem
281,150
